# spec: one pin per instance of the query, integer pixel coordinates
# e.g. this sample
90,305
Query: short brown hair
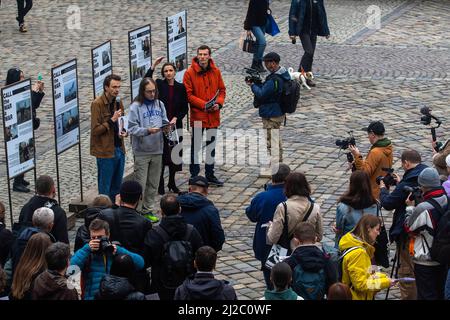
305,232
102,200
297,185
109,78
204,47
44,185
339,291
412,156
99,224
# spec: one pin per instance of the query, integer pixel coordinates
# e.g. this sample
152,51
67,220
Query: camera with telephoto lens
105,246
253,76
416,193
388,179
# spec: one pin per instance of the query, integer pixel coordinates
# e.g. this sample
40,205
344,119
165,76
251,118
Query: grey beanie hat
429,178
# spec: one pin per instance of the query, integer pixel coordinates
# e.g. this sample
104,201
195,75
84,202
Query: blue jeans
259,33
110,174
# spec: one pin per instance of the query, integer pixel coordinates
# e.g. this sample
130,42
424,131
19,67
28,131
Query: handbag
249,44
382,243
271,25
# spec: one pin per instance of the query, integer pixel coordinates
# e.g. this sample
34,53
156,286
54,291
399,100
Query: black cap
272,56
376,127
199,181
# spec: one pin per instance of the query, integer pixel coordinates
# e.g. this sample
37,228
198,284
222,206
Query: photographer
411,163
420,222
96,257
268,95
379,156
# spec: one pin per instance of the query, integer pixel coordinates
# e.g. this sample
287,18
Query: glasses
150,91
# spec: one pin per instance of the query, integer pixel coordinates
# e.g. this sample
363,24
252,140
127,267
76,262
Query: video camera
425,119
343,144
416,193
253,76
388,179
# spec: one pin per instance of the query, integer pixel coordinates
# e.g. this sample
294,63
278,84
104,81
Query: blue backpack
309,285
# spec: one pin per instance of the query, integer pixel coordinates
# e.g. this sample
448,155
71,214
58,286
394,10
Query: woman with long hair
357,252
31,264
355,203
173,95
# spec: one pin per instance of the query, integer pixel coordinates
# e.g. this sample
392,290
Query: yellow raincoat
357,269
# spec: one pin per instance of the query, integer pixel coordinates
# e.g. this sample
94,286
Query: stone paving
362,74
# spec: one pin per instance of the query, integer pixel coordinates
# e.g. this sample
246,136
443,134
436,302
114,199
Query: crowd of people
125,251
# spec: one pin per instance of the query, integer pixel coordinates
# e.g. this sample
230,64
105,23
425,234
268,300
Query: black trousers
196,146
309,47
23,6
430,281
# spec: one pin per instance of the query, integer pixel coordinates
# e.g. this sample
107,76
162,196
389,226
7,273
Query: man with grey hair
261,211
43,219
45,197
52,283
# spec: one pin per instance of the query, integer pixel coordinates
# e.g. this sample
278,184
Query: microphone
118,103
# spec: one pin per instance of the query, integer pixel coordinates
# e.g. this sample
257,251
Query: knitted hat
447,161
429,178
130,192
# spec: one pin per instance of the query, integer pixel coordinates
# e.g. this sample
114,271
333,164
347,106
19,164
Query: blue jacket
261,211
297,14
267,95
396,200
197,210
97,269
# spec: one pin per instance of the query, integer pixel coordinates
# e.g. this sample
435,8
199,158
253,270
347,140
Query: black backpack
441,239
290,94
177,257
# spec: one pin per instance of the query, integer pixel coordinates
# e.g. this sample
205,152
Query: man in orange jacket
206,95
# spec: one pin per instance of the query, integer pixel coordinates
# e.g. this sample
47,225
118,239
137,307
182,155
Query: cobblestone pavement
362,74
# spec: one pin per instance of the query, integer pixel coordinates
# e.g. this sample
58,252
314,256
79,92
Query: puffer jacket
380,156
50,285
297,208
356,267
201,86
117,288
203,286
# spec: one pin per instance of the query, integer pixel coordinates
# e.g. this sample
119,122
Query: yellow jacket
357,266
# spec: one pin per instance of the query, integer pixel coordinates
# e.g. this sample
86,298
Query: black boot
161,190
172,186
254,65
20,188
260,68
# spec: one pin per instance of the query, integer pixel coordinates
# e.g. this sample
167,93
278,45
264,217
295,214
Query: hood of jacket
384,143
48,283
204,287
193,201
310,257
90,214
413,174
115,288
349,240
196,66
174,225
283,73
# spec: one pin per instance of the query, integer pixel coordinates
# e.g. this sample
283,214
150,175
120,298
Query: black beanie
13,76
130,192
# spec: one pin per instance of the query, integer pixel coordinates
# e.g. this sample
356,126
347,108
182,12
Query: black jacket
59,230
6,241
203,286
396,200
197,210
256,14
129,230
175,226
180,101
313,259
51,285
83,235
117,288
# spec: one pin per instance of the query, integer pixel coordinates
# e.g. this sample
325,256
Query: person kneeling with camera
411,163
96,257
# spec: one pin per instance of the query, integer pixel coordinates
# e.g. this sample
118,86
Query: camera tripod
395,266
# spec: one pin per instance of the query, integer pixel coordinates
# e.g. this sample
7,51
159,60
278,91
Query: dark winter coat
396,201
203,286
83,236
129,230
301,10
313,259
59,230
6,242
50,285
175,226
256,14
117,288
261,211
197,210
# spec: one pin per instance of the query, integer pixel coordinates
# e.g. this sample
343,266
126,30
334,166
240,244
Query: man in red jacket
206,95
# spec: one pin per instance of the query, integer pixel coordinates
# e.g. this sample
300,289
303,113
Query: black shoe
212,180
310,83
20,188
25,182
173,188
254,65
